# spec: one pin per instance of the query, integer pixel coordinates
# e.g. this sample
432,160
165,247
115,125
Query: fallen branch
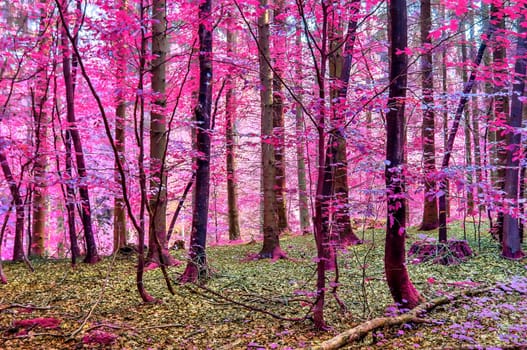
363,329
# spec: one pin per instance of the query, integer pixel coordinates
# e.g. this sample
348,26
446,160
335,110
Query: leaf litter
92,307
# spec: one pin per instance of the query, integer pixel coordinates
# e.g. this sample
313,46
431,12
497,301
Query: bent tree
401,287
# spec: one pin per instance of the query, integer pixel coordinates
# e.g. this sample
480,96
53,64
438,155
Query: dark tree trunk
511,241
401,287
91,247
430,219
197,266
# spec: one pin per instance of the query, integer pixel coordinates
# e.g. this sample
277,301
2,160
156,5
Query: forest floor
93,305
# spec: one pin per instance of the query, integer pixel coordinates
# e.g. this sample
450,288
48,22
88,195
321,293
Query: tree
119,214
430,220
278,114
271,244
92,256
197,265
157,244
41,118
230,115
403,291
511,240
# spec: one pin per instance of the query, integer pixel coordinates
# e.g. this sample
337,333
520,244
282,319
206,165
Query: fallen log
413,316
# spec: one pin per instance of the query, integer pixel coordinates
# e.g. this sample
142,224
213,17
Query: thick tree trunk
511,241
91,247
230,140
271,243
278,114
430,219
197,265
401,287
303,203
157,243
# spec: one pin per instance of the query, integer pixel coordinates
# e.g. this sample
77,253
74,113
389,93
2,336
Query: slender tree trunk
444,76
468,144
337,163
430,219
279,40
300,136
91,247
511,242
157,243
401,287
230,140
40,116
197,266
271,244
119,213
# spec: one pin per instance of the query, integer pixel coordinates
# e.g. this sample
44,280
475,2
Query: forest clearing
95,306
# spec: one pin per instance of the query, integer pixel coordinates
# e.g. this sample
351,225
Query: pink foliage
99,338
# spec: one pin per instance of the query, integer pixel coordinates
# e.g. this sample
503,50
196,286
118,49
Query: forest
263,174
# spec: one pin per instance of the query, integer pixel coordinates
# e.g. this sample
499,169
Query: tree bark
278,115
119,213
92,256
430,219
230,140
157,243
41,119
271,242
197,265
511,241
303,203
401,287
337,163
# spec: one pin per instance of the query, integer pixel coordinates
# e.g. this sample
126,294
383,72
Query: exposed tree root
413,316
452,252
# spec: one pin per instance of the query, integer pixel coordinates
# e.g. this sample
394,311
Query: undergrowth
98,306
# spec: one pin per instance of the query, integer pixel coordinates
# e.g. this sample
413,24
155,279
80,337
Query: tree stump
452,252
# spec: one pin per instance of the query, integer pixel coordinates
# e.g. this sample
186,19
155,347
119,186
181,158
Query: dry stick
99,299
363,329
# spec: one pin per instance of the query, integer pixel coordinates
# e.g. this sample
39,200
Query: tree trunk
197,265
501,111
337,163
18,248
401,287
91,247
469,206
278,114
157,243
511,242
41,119
119,213
271,242
230,140
430,219
303,203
